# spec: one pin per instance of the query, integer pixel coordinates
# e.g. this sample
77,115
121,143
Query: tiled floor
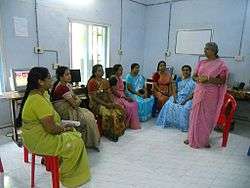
148,158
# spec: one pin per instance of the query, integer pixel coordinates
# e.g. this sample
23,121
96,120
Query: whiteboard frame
205,29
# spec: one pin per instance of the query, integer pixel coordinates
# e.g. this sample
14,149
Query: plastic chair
226,116
52,165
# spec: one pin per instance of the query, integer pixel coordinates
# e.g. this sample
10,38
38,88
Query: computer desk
13,97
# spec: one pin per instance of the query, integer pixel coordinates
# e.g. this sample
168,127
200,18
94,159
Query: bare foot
208,146
186,142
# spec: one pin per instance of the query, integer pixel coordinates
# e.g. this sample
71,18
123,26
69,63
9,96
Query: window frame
108,41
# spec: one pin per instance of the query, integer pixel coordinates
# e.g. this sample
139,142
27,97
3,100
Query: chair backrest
228,109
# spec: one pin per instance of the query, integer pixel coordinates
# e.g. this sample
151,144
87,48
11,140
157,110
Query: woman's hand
68,127
110,105
184,102
128,99
203,79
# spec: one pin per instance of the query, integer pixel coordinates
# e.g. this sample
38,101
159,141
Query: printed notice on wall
20,26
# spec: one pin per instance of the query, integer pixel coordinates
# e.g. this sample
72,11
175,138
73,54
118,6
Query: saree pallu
88,127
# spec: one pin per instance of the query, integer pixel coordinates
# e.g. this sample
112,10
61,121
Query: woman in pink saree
130,106
210,75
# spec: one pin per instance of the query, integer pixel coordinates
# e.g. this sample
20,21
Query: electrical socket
38,50
120,52
238,58
55,66
167,53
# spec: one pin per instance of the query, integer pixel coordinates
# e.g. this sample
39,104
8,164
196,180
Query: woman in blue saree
175,112
135,89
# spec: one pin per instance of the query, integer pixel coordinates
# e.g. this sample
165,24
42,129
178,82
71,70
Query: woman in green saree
43,133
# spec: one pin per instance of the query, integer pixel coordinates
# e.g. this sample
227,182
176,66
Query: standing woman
43,134
162,86
67,104
130,106
135,88
102,104
210,75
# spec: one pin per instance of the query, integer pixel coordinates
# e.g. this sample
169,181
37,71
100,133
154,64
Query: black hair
112,81
134,65
187,66
116,68
35,74
94,70
59,73
161,62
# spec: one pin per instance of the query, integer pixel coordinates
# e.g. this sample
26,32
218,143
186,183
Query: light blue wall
133,34
224,16
53,19
155,36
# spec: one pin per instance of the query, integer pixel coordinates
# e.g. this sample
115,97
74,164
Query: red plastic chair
52,165
226,116
1,166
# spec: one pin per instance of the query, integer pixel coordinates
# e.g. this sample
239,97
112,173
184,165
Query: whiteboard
192,42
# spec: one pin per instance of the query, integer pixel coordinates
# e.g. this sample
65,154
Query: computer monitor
108,72
75,76
20,79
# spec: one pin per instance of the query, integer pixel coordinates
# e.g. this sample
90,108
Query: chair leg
33,170
225,134
25,154
1,166
55,172
48,163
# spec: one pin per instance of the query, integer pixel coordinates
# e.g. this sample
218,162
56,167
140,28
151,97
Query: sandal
186,142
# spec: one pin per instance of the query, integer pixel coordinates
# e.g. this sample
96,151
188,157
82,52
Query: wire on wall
169,23
243,28
121,30
37,31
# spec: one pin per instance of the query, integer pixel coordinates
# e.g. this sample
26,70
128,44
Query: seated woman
67,105
102,104
175,112
162,86
43,134
130,106
135,88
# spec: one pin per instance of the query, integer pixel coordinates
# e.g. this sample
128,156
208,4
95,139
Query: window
89,46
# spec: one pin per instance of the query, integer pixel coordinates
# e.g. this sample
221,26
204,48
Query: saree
131,108
68,146
207,102
176,114
163,81
112,125
144,105
88,126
